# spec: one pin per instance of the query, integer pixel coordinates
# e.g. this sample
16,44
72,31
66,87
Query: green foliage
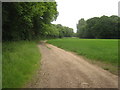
20,61
99,27
32,20
26,20
64,31
81,27
75,34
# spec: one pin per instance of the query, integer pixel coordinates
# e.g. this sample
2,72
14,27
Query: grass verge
20,61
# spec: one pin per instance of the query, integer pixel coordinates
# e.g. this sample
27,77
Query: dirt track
62,69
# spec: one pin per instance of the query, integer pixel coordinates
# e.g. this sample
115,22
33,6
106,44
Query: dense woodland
31,20
99,27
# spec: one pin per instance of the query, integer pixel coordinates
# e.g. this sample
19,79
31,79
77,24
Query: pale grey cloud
70,11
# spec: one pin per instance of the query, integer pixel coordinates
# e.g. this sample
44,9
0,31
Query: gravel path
62,69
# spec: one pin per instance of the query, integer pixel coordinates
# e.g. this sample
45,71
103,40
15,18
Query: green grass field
20,62
103,50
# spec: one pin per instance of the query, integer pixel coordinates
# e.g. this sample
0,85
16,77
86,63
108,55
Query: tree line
103,27
31,20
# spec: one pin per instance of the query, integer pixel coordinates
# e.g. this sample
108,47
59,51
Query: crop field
101,50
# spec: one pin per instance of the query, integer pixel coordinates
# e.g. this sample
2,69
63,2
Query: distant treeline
99,27
31,20
63,31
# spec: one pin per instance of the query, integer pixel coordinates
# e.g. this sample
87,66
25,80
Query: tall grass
20,61
103,50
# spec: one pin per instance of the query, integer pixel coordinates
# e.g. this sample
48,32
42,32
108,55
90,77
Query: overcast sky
70,11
